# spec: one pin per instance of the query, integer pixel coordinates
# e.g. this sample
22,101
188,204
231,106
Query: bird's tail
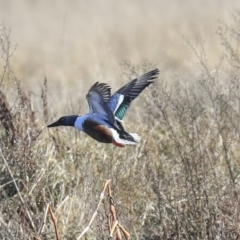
122,138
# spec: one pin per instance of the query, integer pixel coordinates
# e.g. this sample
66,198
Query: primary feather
122,98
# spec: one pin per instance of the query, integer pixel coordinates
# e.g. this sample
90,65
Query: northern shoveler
103,122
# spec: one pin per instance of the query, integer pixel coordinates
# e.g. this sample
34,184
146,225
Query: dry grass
180,182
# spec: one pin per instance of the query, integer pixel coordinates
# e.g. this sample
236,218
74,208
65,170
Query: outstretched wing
121,100
98,97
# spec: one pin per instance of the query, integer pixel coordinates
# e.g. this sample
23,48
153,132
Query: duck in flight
103,122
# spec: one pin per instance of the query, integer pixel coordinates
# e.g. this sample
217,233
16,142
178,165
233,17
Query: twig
125,233
114,215
34,185
44,219
3,223
113,229
113,223
238,236
60,205
18,191
54,219
95,213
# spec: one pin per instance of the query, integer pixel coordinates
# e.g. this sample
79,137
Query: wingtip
152,75
154,72
103,91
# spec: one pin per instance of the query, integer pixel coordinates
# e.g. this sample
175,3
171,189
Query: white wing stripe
120,100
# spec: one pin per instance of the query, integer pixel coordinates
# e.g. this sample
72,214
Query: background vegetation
181,181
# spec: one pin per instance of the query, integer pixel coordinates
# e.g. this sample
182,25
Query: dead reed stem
54,220
114,225
44,219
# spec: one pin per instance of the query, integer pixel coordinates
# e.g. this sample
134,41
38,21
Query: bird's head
64,121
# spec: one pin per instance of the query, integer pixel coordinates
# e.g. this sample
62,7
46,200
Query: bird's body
96,126
103,122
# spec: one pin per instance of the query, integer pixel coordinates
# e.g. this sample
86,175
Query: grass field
182,180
